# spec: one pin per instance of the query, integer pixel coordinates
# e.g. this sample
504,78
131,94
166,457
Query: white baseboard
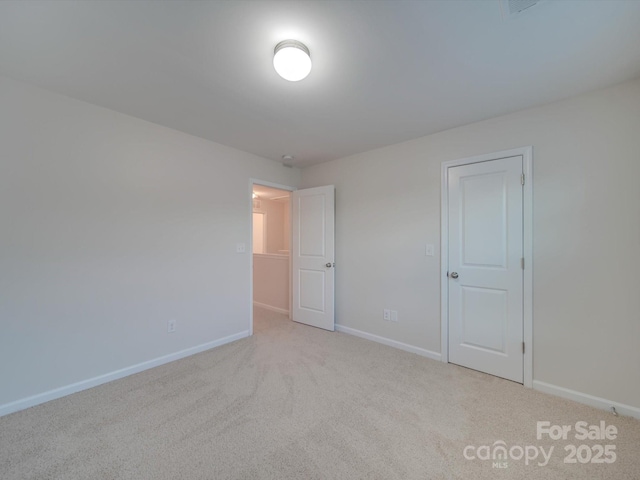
21,404
269,307
391,343
587,399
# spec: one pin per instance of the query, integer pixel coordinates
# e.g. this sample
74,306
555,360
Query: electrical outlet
171,326
394,315
386,314
240,248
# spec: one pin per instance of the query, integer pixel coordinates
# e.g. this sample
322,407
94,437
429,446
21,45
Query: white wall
287,225
271,282
111,226
275,220
586,236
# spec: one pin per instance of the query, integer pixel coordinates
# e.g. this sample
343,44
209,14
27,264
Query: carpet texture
295,402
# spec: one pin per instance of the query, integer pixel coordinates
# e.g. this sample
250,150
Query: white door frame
527,211
252,182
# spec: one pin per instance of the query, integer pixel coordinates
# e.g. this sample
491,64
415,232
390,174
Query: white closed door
485,267
312,253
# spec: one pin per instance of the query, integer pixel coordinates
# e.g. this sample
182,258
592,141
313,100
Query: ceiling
383,71
269,193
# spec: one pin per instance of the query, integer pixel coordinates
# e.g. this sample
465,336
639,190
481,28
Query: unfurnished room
323,239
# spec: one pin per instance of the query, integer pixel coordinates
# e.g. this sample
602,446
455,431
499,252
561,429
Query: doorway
270,249
309,247
487,264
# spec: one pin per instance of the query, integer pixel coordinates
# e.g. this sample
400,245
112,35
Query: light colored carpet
295,402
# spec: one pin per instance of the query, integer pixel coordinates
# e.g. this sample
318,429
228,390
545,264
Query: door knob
329,265
453,274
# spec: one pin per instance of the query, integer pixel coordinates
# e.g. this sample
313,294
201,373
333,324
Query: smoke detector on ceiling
511,8
287,160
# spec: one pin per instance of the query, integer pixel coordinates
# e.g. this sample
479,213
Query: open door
313,256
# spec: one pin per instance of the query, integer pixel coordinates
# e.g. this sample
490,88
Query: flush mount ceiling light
291,60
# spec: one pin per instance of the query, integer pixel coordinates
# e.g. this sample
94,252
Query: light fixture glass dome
291,60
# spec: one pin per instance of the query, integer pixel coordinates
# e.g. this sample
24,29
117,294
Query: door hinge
522,179
522,347
522,263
